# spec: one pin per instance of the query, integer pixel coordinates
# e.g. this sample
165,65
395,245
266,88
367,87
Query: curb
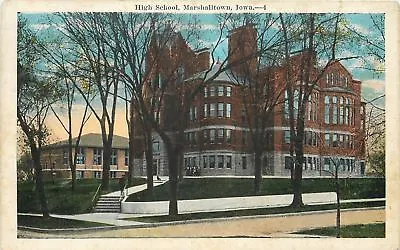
169,223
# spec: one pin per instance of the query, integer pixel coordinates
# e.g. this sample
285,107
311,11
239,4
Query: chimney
242,49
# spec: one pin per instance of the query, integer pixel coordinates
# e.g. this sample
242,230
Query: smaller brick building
89,158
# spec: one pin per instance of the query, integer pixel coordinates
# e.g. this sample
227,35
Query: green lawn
352,231
203,188
54,223
61,200
251,212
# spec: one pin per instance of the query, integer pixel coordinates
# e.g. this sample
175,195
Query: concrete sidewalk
117,219
139,188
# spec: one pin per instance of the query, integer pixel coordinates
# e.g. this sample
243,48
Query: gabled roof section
225,76
94,140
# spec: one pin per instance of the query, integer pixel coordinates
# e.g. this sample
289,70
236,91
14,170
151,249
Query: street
243,227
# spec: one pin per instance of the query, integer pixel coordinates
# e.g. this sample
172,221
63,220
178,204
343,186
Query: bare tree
314,35
35,94
256,75
92,56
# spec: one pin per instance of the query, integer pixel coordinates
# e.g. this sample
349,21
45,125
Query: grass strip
54,223
376,230
60,198
251,212
206,188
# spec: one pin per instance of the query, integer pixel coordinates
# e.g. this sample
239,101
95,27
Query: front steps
108,204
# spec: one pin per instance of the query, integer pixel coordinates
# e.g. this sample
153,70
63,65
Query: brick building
217,140
89,157
217,133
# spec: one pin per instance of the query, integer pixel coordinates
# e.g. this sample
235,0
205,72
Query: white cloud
360,29
376,85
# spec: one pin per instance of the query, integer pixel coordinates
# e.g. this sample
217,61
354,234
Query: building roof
94,140
225,76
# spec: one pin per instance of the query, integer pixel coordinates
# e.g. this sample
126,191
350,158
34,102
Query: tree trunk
105,181
39,182
131,133
131,162
258,172
298,170
337,203
71,162
149,165
181,166
173,181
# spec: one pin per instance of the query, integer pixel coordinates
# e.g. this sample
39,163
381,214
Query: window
212,135
346,81
327,110
228,110
228,91
288,162
327,79
309,137
244,162
205,161
341,140
335,140
244,138
157,116
156,146
220,109
113,160
211,160
305,163
65,157
126,157
310,163
244,117
220,134
80,157
213,111
220,90
193,113
327,140
347,112
296,98
316,101
332,76
212,90
220,161
113,174
205,136
341,113
229,135
286,136
327,163
205,92
286,106
97,156
334,113
97,174
228,161
205,109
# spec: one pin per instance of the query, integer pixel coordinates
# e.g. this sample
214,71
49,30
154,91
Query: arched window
286,106
335,110
347,112
327,113
296,103
341,113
